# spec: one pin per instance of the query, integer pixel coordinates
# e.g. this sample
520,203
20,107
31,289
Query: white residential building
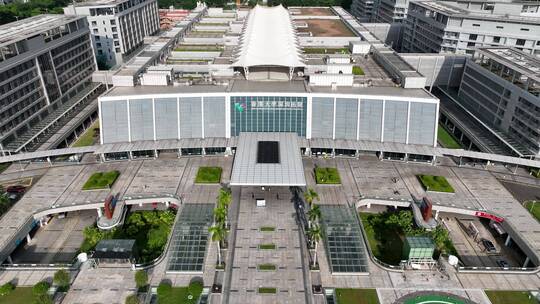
451,27
118,27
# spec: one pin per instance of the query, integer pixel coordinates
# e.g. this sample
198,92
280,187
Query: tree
314,214
310,195
220,215
43,299
315,235
6,289
195,289
41,288
157,237
61,278
132,299
224,197
218,235
141,279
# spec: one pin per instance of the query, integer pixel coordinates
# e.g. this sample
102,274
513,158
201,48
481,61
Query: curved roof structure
269,39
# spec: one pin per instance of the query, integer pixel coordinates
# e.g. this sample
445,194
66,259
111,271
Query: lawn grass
21,295
178,295
435,183
356,70
267,246
434,298
535,209
508,296
267,229
266,267
356,296
446,139
386,244
267,290
208,175
101,180
88,138
327,176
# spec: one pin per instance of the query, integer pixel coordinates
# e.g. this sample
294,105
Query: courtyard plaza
366,176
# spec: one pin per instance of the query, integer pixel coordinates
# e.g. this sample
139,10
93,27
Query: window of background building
473,36
497,39
520,42
94,23
113,22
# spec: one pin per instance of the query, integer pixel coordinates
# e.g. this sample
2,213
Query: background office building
364,9
391,11
434,27
45,61
118,27
502,88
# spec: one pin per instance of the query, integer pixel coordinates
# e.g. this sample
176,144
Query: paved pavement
288,277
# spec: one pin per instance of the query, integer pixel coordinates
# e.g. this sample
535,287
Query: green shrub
43,299
132,299
356,70
6,289
41,288
195,289
61,279
141,279
164,289
267,246
267,290
208,175
327,176
101,180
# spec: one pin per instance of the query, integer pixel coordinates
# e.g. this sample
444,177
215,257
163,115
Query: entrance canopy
268,159
269,39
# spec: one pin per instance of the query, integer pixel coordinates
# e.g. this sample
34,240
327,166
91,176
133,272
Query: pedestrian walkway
287,279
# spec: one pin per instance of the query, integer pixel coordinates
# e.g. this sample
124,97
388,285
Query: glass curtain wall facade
268,114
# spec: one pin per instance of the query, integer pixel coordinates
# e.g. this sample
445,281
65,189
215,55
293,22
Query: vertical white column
202,117
408,121
436,124
228,116
100,121
309,116
129,121
382,120
42,82
358,121
334,123
178,115
154,116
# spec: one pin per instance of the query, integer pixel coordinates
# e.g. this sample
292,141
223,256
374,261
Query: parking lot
56,242
467,234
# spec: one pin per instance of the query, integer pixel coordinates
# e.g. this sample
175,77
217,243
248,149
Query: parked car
15,189
503,263
488,246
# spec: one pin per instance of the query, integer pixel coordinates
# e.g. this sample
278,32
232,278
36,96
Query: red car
16,189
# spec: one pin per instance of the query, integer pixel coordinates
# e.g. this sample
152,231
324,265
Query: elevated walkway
117,219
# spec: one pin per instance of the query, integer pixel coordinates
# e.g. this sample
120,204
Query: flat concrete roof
247,171
24,28
245,86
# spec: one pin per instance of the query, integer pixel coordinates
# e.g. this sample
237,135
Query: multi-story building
118,27
364,9
45,61
502,89
440,27
391,11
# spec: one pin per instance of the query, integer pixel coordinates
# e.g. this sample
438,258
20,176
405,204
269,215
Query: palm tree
310,195
314,214
224,197
315,235
218,235
220,215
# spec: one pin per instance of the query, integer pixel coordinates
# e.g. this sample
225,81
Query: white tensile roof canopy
269,39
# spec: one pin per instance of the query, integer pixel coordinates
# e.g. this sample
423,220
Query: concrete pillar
167,204
49,160
527,260
433,161
9,259
406,158
369,205
130,155
99,212
437,214
228,151
140,204
28,238
470,145
308,152
156,153
508,240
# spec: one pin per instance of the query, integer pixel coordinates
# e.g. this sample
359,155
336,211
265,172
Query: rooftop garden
310,50
510,296
327,176
356,70
435,183
356,296
101,180
534,208
446,139
149,229
386,233
89,137
208,175
179,295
